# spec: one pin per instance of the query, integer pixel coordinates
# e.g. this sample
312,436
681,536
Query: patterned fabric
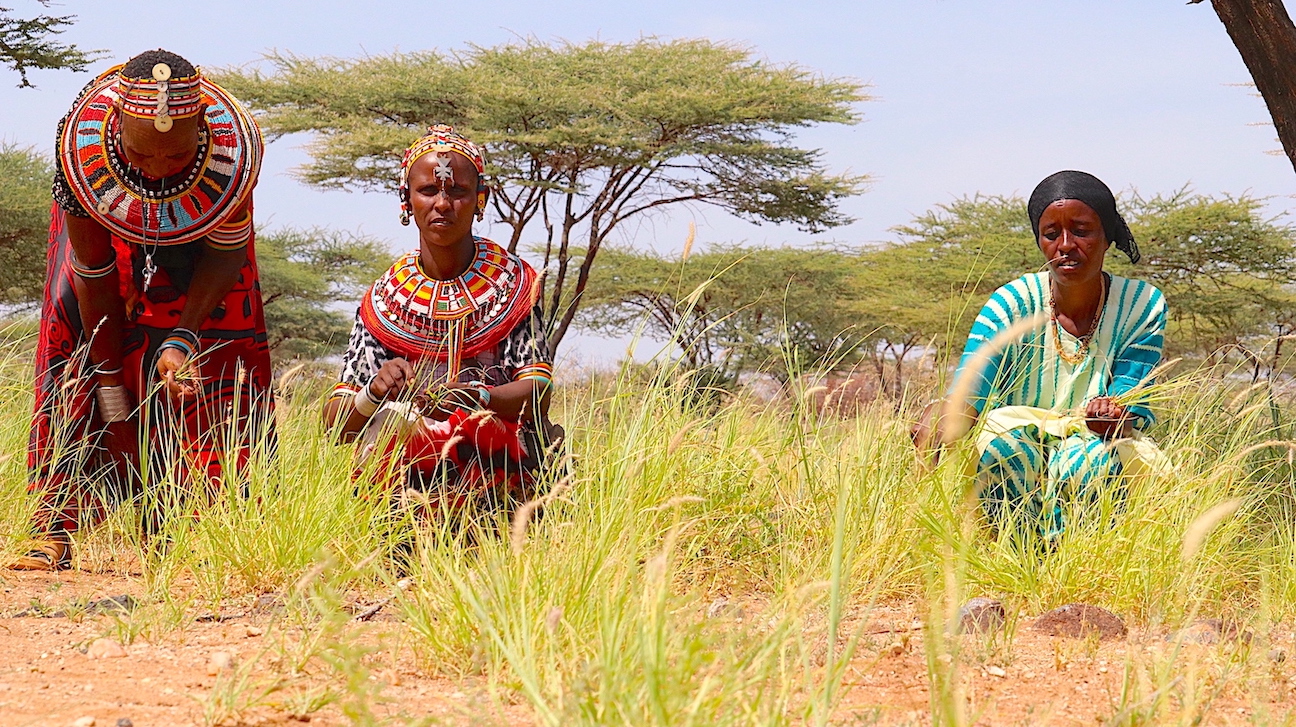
95,180
525,347
420,317
1124,349
1028,477
192,441
1032,470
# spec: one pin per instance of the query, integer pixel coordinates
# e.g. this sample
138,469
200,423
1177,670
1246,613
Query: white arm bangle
364,402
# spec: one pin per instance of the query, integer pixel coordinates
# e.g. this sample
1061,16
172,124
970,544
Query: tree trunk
1264,35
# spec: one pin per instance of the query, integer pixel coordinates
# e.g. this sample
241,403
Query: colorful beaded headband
442,139
161,98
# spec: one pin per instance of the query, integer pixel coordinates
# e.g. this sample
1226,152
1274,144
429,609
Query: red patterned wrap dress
164,227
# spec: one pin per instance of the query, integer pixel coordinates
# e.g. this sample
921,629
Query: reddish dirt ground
49,675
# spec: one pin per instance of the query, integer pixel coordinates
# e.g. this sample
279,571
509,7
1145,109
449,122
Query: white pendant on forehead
444,172
162,74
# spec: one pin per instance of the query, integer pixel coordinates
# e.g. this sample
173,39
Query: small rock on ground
723,607
1079,620
220,661
84,722
1210,631
105,649
980,615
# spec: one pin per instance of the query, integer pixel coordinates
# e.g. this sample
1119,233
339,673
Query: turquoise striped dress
1027,474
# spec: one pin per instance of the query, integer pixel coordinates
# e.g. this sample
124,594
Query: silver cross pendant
150,269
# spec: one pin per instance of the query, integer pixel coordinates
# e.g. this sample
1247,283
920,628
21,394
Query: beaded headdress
443,140
161,97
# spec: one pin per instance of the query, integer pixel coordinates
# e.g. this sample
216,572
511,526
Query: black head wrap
1089,189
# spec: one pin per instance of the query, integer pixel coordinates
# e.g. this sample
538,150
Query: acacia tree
732,308
580,138
27,44
24,222
1265,37
303,274
1226,270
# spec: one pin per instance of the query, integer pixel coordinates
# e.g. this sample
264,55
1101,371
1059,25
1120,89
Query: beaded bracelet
483,393
102,271
183,340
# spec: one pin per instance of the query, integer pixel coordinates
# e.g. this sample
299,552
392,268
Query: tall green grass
605,605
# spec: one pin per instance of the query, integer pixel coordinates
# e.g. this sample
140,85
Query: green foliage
304,274
24,223
731,307
579,137
927,288
1227,271
30,44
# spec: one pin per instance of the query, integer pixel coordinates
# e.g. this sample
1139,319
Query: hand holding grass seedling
444,400
392,378
1108,419
179,373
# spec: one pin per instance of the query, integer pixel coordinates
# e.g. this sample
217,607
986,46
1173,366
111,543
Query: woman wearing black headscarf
1048,391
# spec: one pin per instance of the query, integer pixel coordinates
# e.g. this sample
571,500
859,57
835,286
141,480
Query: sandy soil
50,674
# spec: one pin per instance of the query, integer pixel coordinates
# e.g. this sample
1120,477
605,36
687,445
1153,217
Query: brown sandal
48,555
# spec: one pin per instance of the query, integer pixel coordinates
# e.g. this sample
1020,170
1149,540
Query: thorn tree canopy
579,137
24,222
28,44
304,273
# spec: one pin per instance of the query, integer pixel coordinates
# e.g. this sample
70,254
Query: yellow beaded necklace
1082,351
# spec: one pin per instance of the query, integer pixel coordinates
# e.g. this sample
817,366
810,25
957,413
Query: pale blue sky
971,95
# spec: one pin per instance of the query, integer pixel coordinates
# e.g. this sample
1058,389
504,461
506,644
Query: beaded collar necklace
158,190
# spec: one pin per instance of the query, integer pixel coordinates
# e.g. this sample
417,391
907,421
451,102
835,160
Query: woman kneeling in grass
1098,337
447,342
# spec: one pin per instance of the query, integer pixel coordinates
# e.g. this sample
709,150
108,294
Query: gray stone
1080,620
1210,631
268,603
981,615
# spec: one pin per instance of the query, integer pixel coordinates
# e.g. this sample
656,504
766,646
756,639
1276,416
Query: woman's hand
391,379
453,397
934,430
924,430
178,373
1108,419
121,441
